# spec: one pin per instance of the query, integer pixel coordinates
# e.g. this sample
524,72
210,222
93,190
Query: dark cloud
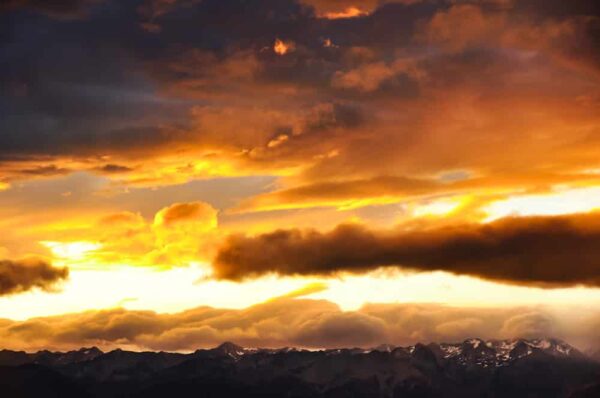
113,169
24,275
54,8
552,251
558,8
72,87
43,171
141,88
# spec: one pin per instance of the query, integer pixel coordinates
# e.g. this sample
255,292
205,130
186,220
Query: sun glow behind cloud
350,12
69,252
562,201
178,289
440,207
282,47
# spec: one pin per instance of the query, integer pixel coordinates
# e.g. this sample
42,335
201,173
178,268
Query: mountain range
473,368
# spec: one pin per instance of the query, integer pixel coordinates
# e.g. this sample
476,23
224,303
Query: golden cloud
199,213
178,235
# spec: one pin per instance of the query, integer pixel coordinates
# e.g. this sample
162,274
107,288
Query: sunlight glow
71,250
177,289
283,47
562,201
350,12
440,208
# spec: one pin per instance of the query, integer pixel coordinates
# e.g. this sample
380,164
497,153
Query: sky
310,173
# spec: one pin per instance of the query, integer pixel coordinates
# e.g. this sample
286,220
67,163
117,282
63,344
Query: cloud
385,189
177,235
455,329
178,228
447,28
406,92
294,322
366,78
160,92
197,212
17,276
340,193
557,8
342,330
57,8
113,169
342,8
529,324
546,251
426,87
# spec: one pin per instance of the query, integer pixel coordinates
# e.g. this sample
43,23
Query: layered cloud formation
296,322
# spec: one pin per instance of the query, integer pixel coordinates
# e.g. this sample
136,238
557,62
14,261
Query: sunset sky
313,173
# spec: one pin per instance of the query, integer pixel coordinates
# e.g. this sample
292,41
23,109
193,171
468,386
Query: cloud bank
296,322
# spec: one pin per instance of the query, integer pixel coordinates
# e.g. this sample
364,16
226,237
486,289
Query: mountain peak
90,349
231,349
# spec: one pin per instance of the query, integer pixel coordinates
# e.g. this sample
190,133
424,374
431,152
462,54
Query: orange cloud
336,9
366,78
389,189
197,212
350,12
283,47
178,235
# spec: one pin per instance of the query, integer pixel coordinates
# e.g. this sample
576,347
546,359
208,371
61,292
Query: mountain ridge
506,348
471,368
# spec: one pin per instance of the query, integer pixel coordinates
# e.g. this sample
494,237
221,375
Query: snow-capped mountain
472,368
500,352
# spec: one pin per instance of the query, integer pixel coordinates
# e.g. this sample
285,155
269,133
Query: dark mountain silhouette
474,368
